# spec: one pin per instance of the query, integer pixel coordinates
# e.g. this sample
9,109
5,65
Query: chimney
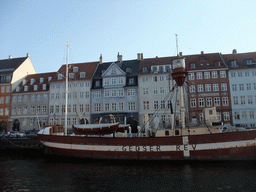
10,57
119,57
101,59
202,52
234,52
141,56
138,56
180,54
28,55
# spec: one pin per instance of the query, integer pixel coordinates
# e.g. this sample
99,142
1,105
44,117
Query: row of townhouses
128,90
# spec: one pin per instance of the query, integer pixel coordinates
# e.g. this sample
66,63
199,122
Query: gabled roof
36,78
240,58
88,68
133,64
8,66
113,65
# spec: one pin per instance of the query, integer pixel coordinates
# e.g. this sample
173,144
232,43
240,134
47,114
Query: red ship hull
220,146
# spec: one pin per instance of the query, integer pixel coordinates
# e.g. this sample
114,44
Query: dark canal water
38,172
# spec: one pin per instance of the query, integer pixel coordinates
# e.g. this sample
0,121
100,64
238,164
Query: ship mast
66,95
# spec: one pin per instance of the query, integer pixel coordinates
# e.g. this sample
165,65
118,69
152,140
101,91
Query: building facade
79,85
12,72
115,92
242,78
208,86
30,102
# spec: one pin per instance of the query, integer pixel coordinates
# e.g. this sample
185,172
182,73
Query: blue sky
94,27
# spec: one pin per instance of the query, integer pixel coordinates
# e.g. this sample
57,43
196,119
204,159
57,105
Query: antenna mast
177,47
66,99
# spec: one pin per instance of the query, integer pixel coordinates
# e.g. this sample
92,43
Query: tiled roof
36,81
8,66
88,68
240,59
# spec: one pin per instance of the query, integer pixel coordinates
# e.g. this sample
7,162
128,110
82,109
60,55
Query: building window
131,81
131,92
82,75
222,74
113,71
128,70
162,104
208,102
226,116
216,101
155,105
224,86
145,91
247,74
214,74
235,100
87,107
234,87
236,115
75,69
207,87
161,90
244,115
113,106
241,87
145,105
192,102
251,114
207,75
155,90
215,87
97,107
7,99
225,101
240,74
113,93
144,69
232,63
192,65
2,100
248,61
120,92
250,99
199,75
60,76
248,86
144,79
192,88
121,106
154,79
2,89
200,88
201,102
6,113
131,106
191,76
97,83
154,69
97,94
242,100
107,107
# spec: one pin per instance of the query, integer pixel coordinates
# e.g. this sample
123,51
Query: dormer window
24,81
60,76
97,83
192,65
128,70
144,69
41,80
154,69
131,81
248,61
167,68
161,69
71,75
233,63
32,81
113,71
26,88
44,86
49,79
35,87
17,89
217,64
202,58
82,75
75,69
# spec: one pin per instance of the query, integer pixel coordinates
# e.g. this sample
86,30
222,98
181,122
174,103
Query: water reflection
28,173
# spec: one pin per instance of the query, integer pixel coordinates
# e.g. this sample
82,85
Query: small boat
95,129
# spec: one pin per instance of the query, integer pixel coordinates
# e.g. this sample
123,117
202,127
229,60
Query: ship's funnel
179,72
